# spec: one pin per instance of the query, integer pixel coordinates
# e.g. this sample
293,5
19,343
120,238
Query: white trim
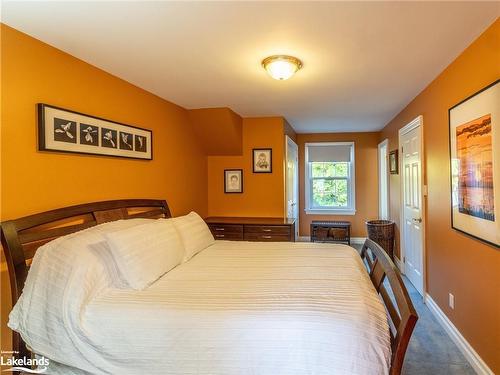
303,239
352,179
399,264
467,350
289,142
415,123
329,143
418,122
324,211
384,143
358,240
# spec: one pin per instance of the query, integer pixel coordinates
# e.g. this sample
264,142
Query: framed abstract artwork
474,126
63,130
262,160
233,180
393,162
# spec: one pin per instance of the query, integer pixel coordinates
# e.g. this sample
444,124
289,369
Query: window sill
325,211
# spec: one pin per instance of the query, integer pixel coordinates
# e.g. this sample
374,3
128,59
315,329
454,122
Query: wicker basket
382,232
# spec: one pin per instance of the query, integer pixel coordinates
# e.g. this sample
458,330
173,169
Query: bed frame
22,237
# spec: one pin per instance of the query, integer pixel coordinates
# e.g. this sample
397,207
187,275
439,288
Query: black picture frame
394,162
255,161
227,173
452,141
53,123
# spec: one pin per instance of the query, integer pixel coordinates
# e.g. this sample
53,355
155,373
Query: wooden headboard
22,237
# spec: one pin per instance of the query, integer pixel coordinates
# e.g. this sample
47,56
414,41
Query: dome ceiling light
281,67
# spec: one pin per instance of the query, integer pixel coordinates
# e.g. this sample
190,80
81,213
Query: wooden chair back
401,313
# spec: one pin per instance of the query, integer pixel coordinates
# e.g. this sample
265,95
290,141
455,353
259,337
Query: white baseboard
358,240
303,238
399,264
468,351
354,240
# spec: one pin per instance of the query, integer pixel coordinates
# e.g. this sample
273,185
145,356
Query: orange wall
366,182
35,181
263,193
456,263
219,129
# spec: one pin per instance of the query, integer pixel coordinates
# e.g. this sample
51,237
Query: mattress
244,308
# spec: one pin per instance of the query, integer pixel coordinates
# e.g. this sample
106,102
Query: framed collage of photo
474,126
63,130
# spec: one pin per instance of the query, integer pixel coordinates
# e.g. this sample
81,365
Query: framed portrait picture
262,160
474,126
233,180
393,162
63,130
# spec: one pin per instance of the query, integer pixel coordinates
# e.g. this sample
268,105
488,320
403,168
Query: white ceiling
363,61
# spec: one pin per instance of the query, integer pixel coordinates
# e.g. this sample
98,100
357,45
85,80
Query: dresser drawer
268,229
228,236
267,237
251,228
226,228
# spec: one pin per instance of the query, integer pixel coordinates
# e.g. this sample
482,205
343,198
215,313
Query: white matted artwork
262,160
475,165
233,181
68,131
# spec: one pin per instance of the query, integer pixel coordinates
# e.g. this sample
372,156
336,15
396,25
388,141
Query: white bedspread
236,308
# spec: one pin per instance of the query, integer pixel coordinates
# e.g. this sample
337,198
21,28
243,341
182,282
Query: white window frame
351,209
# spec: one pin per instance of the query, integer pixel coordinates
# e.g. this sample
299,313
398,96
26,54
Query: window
330,178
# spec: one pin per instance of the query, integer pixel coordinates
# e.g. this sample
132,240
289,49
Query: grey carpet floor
431,351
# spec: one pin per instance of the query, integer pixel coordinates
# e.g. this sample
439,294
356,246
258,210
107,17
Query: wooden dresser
252,228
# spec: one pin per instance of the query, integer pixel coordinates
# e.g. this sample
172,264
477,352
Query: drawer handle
266,230
219,235
219,229
267,237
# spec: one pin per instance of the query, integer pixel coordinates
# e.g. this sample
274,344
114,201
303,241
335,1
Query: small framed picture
262,160
233,180
393,162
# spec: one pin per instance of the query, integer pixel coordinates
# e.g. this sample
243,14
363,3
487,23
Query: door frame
385,143
418,122
289,142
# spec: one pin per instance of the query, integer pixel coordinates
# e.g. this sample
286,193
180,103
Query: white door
412,224
383,181
292,182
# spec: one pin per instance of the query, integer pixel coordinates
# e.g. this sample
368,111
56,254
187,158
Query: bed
234,308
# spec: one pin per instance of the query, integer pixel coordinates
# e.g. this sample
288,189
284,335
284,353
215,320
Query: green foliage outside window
330,184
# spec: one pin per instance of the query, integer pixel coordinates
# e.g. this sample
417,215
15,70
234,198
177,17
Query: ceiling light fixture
281,67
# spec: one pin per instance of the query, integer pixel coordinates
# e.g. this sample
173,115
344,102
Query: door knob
419,220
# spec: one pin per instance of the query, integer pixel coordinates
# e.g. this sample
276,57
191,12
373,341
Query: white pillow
145,252
194,233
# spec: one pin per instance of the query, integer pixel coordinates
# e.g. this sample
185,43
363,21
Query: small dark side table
331,231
